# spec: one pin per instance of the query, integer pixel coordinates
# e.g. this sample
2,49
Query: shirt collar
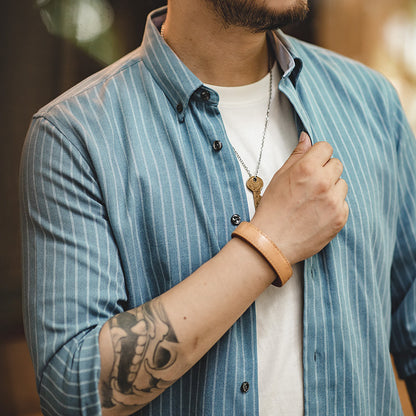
177,81
290,63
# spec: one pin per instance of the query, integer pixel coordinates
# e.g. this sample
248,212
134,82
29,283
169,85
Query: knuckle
344,185
323,185
325,146
341,216
338,164
328,147
304,169
339,222
343,182
333,204
346,211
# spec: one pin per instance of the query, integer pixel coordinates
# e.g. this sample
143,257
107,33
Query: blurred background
50,45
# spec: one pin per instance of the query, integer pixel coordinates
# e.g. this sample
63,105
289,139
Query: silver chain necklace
254,182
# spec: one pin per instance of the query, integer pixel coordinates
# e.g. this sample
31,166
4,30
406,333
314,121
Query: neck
217,55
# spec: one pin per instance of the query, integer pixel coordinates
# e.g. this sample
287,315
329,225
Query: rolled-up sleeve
73,280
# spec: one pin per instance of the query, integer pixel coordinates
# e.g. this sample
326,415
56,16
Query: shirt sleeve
73,280
403,276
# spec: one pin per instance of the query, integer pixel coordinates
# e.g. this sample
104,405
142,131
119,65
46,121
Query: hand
304,206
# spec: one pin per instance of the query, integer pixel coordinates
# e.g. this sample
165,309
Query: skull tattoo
145,348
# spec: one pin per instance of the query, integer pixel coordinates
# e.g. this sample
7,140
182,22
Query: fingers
334,168
341,188
301,149
320,153
304,142
341,191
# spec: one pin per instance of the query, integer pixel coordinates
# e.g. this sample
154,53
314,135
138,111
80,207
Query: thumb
303,146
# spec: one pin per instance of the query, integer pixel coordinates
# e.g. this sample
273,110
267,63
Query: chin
259,15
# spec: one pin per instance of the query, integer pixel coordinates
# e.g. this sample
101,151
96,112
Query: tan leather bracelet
249,233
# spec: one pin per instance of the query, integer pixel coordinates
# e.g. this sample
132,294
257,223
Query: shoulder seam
42,112
45,118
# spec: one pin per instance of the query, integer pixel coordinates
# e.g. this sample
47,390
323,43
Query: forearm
145,350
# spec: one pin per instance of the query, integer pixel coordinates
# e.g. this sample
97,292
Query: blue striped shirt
123,196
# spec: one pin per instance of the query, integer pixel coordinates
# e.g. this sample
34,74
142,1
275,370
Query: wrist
263,245
251,265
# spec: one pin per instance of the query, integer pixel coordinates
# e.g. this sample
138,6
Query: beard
257,17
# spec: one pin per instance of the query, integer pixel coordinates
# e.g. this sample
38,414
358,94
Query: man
138,299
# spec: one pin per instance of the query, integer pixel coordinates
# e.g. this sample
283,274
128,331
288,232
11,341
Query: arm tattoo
145,352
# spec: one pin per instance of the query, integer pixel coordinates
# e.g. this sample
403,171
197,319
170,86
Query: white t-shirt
278,310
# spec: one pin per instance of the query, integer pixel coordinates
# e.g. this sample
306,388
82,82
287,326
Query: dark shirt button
235,219
217,145
179,107
205,95
244,387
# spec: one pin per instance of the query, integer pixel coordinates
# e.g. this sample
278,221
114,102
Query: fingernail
303,137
